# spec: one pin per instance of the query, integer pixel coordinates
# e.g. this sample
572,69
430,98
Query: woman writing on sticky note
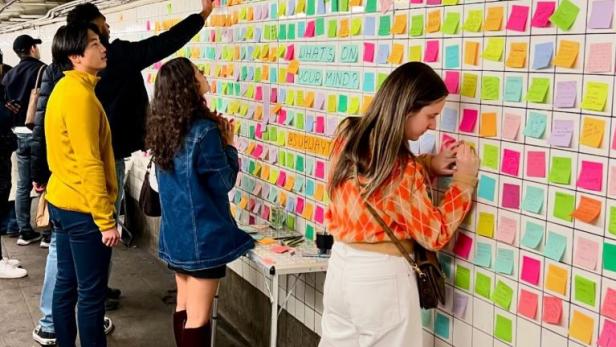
370,294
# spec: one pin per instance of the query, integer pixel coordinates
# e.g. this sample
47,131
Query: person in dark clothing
18,84
8,222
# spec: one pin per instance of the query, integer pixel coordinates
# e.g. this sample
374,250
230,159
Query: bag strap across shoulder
38,77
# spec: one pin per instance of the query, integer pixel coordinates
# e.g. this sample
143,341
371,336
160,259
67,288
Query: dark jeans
24,183
8,221
5,186
83,265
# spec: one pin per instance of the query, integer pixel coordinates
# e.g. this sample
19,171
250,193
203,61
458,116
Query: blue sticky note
445,262
449,119
504,261
310,187
273,75
382,54
290,7
290,207
257,37
543,55
299,184
486,188
274,10
369,82
513,89
426,318
483,254
309,122
535,125
533,235
441,326
301,28
533,199
452,57
369,26
282,94
555,246
320,6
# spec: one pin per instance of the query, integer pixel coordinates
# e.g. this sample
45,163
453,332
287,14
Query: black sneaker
111,304
113,293
28,238
108,324
45,241
43,338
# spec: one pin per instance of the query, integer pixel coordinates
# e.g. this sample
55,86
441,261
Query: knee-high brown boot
179,319
197,337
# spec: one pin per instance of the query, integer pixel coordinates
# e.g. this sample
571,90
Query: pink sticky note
446,139
320,125
452,81
259,131
212,36
282,116
274,95
318,214
506,230
552,309
416,1
319,171
607,338
259,93
280,249
463,246
511,126
591,176
511,162
290,77
265,211
517,18
608,308
386,5
310,28
511,196
290,52
600,57
147,26
535,164
527,305
469,119
434,2
299,205
614,141
586,252
282,178
368,52
531,269
257,151
432,48
544,10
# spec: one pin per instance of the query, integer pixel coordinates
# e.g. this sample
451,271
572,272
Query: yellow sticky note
556,280
397,53
494,19
265,172
343,30
331,103
471,50
293,66
319,192
517,55
415,53
243,202
282,75
473,21
356,26
487,126
494,49
290,98
354,105
469,85
485,225
592,132
434,21
399,24
282,197
567,53
595,96
581,327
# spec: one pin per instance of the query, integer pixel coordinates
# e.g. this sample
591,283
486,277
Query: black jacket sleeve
39,168
144,53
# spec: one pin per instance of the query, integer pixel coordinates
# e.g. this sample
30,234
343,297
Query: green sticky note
564,205
565,15
290,221
441,325
370,6
343,5
332,26
513,88
417,24
309,232
469,85
282,30
342,103
612,221
335,6
504,261
483,285
299,121
380,79
299,163
560,170
450,2
452,20
319,26
483,254
503,328
538,90
310,7
609,256
473,21
555,246
490,156
291,31
502,295
385,26
490,86
463,277
426,318
354,106
494,49
595,96
585,290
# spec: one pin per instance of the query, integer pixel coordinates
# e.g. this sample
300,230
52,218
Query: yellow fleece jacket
79,152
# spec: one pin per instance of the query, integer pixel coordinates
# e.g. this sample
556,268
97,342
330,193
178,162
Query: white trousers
370,299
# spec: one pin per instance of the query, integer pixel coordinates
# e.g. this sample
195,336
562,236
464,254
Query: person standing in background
18,84
8,222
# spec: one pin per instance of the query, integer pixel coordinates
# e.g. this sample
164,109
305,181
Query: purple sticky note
591,176
566,93
543,11
469,119
517,18
460,302
431,54
382,54
511,196
562,132
531,269
319,101
601,14
511,162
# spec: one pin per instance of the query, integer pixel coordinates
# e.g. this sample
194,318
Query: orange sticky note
309,99
517,56
399,24
581,327
588,210
344,29
259,112
434,21
293,66
487,126
556,279
567,53
282,198
265,171
397,52
471,50
355,2
288,185
494,18
592,132
366,100
308,209
318,192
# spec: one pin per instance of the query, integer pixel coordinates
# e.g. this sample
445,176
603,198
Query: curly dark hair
175,106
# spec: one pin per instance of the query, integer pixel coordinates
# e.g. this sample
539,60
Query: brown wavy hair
175,106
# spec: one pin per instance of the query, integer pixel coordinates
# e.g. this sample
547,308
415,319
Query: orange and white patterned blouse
404,205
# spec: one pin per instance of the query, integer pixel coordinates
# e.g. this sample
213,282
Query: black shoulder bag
149,199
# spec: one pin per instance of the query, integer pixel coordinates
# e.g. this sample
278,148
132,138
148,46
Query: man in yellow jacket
82,188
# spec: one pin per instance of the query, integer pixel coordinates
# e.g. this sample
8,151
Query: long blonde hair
374,145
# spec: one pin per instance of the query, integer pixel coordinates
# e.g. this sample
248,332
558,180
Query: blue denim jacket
197,229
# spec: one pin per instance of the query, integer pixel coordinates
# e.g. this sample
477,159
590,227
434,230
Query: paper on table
533,235
543,11
463,246
533,199
564,205
527,304
487,126
555,246
601,14
494,19
535,164
486,188
588,210
600,57
511,196
502,295
591,176
567,53
531,269
552,309
566,93
507,229
517,18
565,15
562,132
504,261
586,252
581,326
511,162
543,55
485,224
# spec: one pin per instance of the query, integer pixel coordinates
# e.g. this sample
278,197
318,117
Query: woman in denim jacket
197,166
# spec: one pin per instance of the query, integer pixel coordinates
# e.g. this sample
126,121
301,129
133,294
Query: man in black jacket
18,84
8,224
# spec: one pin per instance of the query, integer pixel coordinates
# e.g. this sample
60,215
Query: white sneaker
12,262
8,271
